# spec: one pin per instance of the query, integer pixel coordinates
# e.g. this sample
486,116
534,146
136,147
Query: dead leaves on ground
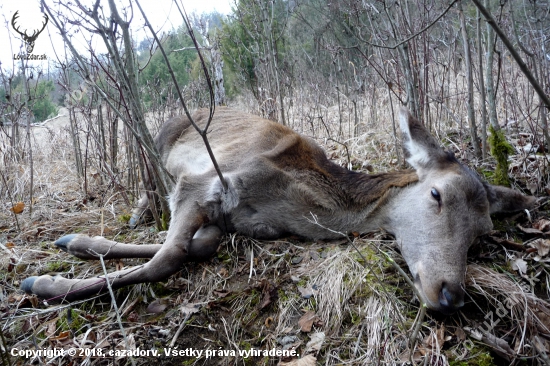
307,321
522,257
542,247
18,208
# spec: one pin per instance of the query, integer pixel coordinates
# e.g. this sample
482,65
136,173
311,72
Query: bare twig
178,332
523,67
11,200
202,132
113,301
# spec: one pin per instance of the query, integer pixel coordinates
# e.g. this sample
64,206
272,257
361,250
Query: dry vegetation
335,303
326,300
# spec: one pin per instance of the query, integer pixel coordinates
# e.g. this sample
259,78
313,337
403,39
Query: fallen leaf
269,294
10,245
62,336
156,307
541,245
528,230
15,298
316,342
34,300
436,339
18,208
460,334
133,317
190,308
306,292
542,225
405,357
221,293
307,320
520,265
11,264
50,331
119,265
499,345
309,360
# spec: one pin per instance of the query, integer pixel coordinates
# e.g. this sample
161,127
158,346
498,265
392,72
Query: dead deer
277,181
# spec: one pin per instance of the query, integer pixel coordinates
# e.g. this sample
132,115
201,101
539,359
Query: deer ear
421,149
503,200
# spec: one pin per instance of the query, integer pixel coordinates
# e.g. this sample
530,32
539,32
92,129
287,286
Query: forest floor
329,303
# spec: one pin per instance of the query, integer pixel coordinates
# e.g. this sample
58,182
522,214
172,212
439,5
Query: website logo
29,32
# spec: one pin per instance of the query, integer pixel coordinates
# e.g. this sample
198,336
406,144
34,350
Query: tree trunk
470,80
482,89
499,147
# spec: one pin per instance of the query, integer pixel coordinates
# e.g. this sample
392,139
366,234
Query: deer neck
370,198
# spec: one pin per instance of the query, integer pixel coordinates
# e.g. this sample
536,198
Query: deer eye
436,195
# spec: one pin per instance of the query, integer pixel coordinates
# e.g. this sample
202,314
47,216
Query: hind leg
204,244
168,259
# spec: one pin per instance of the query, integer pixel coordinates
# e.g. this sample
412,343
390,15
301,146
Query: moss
223,256
57,266
303,282
283,297
164,221
243,345
482,358
189,362
500,149
254,297
487,174
76,321
477,354
124,218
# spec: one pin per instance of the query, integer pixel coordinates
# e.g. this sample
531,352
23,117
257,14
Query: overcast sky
161,13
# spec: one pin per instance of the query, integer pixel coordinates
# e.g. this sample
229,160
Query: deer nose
451,298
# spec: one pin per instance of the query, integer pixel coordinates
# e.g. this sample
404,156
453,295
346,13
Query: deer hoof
62,242
27,284
134,221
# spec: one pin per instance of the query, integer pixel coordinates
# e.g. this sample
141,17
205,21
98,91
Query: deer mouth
444,297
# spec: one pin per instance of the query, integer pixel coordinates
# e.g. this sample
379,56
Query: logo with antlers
29,39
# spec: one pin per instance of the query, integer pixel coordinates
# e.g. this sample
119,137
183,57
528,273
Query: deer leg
168,259
204,244
84,247
142,213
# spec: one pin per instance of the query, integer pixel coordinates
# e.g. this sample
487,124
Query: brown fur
281,183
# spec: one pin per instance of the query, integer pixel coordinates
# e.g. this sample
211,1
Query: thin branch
113,301
523,67
202,132
412,36
11,200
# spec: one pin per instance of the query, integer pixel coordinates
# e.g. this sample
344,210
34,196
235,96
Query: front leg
169,258
204,244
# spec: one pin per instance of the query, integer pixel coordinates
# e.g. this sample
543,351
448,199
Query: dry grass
253,294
